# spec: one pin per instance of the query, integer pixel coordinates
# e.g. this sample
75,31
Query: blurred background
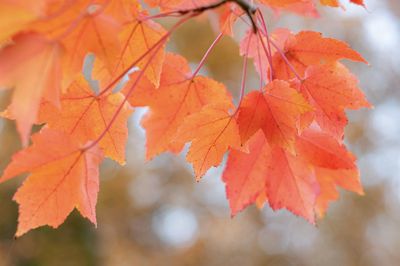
154,213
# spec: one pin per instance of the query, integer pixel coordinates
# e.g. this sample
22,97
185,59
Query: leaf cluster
284,139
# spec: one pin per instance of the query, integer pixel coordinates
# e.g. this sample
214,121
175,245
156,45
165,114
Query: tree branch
249,9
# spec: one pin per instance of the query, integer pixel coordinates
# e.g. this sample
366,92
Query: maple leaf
275,111
329,180
336,3
86,116
82,29
331,89
332,3
138,37
139,90
178,97
358,2
307,9
304,7
333,166
168,5
287,181
165,4
122,10
300,7
303,183
259,49
281,3
31,66
310,48
212,131
320,149
63,176
291,184
228,15
244,174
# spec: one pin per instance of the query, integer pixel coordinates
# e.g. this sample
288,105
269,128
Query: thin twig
248,8
202,61
244,75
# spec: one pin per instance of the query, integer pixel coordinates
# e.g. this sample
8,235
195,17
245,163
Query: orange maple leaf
320,149
141,41
291,184
82,28
275,111
63,176
178,97
259,49
165,5
244,174
358,2
333,166
303,183
228,15
168,5
30,65
212,131
329,180
330,89
310,48
281,3
336,3
85,116
306,8
122,10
